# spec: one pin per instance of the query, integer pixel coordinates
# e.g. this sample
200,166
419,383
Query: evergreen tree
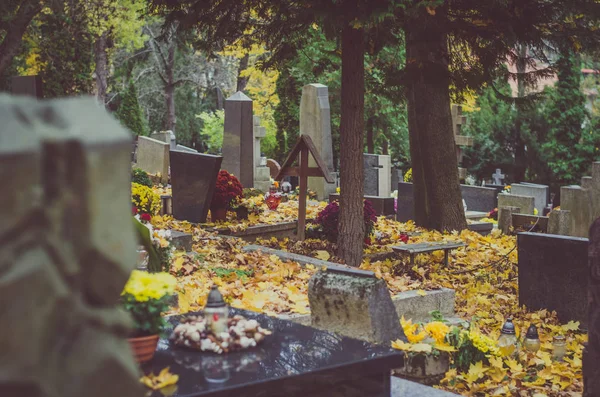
130,113
565,115
287,112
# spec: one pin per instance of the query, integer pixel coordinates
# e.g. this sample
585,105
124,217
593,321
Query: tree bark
438,200
101,67
15,31
170,88
242,82
520,152
370,138
351,226
219,98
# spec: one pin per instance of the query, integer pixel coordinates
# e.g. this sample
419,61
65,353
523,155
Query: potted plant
427,351
145,297
243,207
228,189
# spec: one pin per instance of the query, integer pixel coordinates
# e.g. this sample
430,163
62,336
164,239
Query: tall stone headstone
591,352
238,139
193,180
28,86
406,202
315,121
153,157
262,173
67,247
579,202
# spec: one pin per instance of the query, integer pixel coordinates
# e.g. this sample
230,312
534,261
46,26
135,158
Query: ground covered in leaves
483,274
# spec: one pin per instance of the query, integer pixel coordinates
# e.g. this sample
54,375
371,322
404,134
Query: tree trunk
170,89
242,82
351,226
15,31
101,67
219,98
370,138
520,153
438,200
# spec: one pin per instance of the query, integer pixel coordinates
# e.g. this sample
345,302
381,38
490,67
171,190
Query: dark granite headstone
406,208
591,352
499,188
193,179
295,361
371,176
553,274
382,205
27,85
479,198
238,139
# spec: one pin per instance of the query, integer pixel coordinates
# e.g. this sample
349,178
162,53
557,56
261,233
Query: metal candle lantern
532,339
508,338
167,204
216,311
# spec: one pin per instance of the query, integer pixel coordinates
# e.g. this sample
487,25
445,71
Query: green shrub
140,176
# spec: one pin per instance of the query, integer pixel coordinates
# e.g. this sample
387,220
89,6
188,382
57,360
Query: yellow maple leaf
400,345
421,293
571,326
514,366
163,379
496,362
476,371
177,263
322,255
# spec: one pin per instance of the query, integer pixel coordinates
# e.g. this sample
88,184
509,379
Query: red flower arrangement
493,214
328,219
227,189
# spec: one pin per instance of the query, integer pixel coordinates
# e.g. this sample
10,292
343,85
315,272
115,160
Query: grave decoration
303,147
216,331
145,297
227,190
273,197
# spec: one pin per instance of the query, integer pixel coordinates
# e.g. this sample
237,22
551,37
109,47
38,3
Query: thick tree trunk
242,82
219,98
170,89
370,137
351,226
101,58
438,200
15,31
520,152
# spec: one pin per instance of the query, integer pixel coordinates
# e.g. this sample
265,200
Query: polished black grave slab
295,361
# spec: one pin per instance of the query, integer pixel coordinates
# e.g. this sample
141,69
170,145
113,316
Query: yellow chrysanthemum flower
144,286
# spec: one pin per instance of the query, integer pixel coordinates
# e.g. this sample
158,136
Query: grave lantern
216,311
559,347
166,204
532,340
508,338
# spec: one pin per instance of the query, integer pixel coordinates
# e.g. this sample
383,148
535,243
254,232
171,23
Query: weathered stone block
505,218
238,138
353,305
67,246
181,241
413,306
539,193
559,222
579,202
525,203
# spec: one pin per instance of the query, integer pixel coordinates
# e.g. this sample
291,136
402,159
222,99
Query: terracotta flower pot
218,214
143,347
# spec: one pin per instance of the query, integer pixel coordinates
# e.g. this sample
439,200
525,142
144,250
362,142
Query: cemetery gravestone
238,139
354,303
591,352
67,247
315,121
153,157
498,177
479,198
262,173
28,86
579,202
553,274
377,175
538,192
559,222
169,137
525,203
274,167
405,209
193,181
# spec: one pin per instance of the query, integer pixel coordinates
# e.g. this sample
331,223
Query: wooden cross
303,147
